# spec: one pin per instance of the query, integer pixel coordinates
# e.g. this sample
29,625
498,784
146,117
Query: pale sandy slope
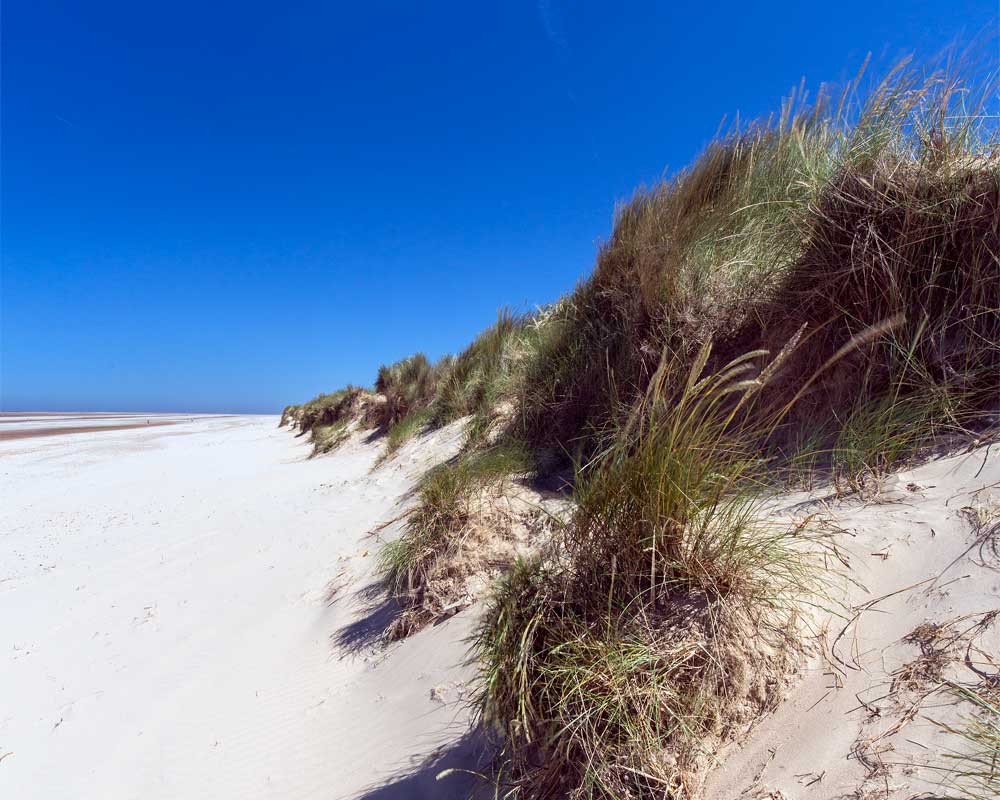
166,625
863,723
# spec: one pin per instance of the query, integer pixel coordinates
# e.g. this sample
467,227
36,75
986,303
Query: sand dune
165,597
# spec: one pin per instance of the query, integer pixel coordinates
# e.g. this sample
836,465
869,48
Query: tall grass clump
327,437
289,415
880,434
664,619
441,510
328,409
485,378
408,385
836,218
406,428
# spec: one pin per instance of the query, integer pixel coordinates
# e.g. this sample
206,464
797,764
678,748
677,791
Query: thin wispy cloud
555,31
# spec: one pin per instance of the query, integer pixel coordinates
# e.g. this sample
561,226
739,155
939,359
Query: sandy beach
187,613
190,611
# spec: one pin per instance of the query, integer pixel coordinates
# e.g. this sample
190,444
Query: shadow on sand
449,773
366,633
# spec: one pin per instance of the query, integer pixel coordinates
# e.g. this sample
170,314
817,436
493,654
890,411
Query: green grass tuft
406,428
973,771
441,510
662,617
326,438
435,527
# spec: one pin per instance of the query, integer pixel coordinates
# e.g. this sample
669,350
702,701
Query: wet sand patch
30,433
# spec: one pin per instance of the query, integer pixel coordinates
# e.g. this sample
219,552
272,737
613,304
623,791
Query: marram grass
843,260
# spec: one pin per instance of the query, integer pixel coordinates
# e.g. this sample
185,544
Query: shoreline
32,433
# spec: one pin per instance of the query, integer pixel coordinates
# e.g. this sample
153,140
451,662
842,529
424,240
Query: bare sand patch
169,631
915,618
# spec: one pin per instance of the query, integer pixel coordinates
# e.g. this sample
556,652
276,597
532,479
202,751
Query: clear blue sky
230,206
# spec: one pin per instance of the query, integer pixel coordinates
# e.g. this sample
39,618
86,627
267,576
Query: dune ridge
814,302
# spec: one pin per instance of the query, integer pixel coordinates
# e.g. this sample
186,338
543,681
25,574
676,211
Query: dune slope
913,621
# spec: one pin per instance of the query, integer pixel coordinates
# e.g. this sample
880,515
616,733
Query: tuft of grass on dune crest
326,417
484,377
413,394
327,409
408,386
823,220
289,415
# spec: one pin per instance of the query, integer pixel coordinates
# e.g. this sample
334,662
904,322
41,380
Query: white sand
168,630
846,731
163,600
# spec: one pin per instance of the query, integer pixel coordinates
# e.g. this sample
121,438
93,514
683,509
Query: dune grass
408,386
441,510
327,409
406,428
326,417
289,415
865,255
413,393
819,293
326,438
972,767
879,436
486,376
666,613
803,221
413,565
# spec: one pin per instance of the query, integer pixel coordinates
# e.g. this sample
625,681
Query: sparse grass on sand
326,437
442,542
971,769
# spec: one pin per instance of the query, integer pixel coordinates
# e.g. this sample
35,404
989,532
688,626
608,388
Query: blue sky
232,206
